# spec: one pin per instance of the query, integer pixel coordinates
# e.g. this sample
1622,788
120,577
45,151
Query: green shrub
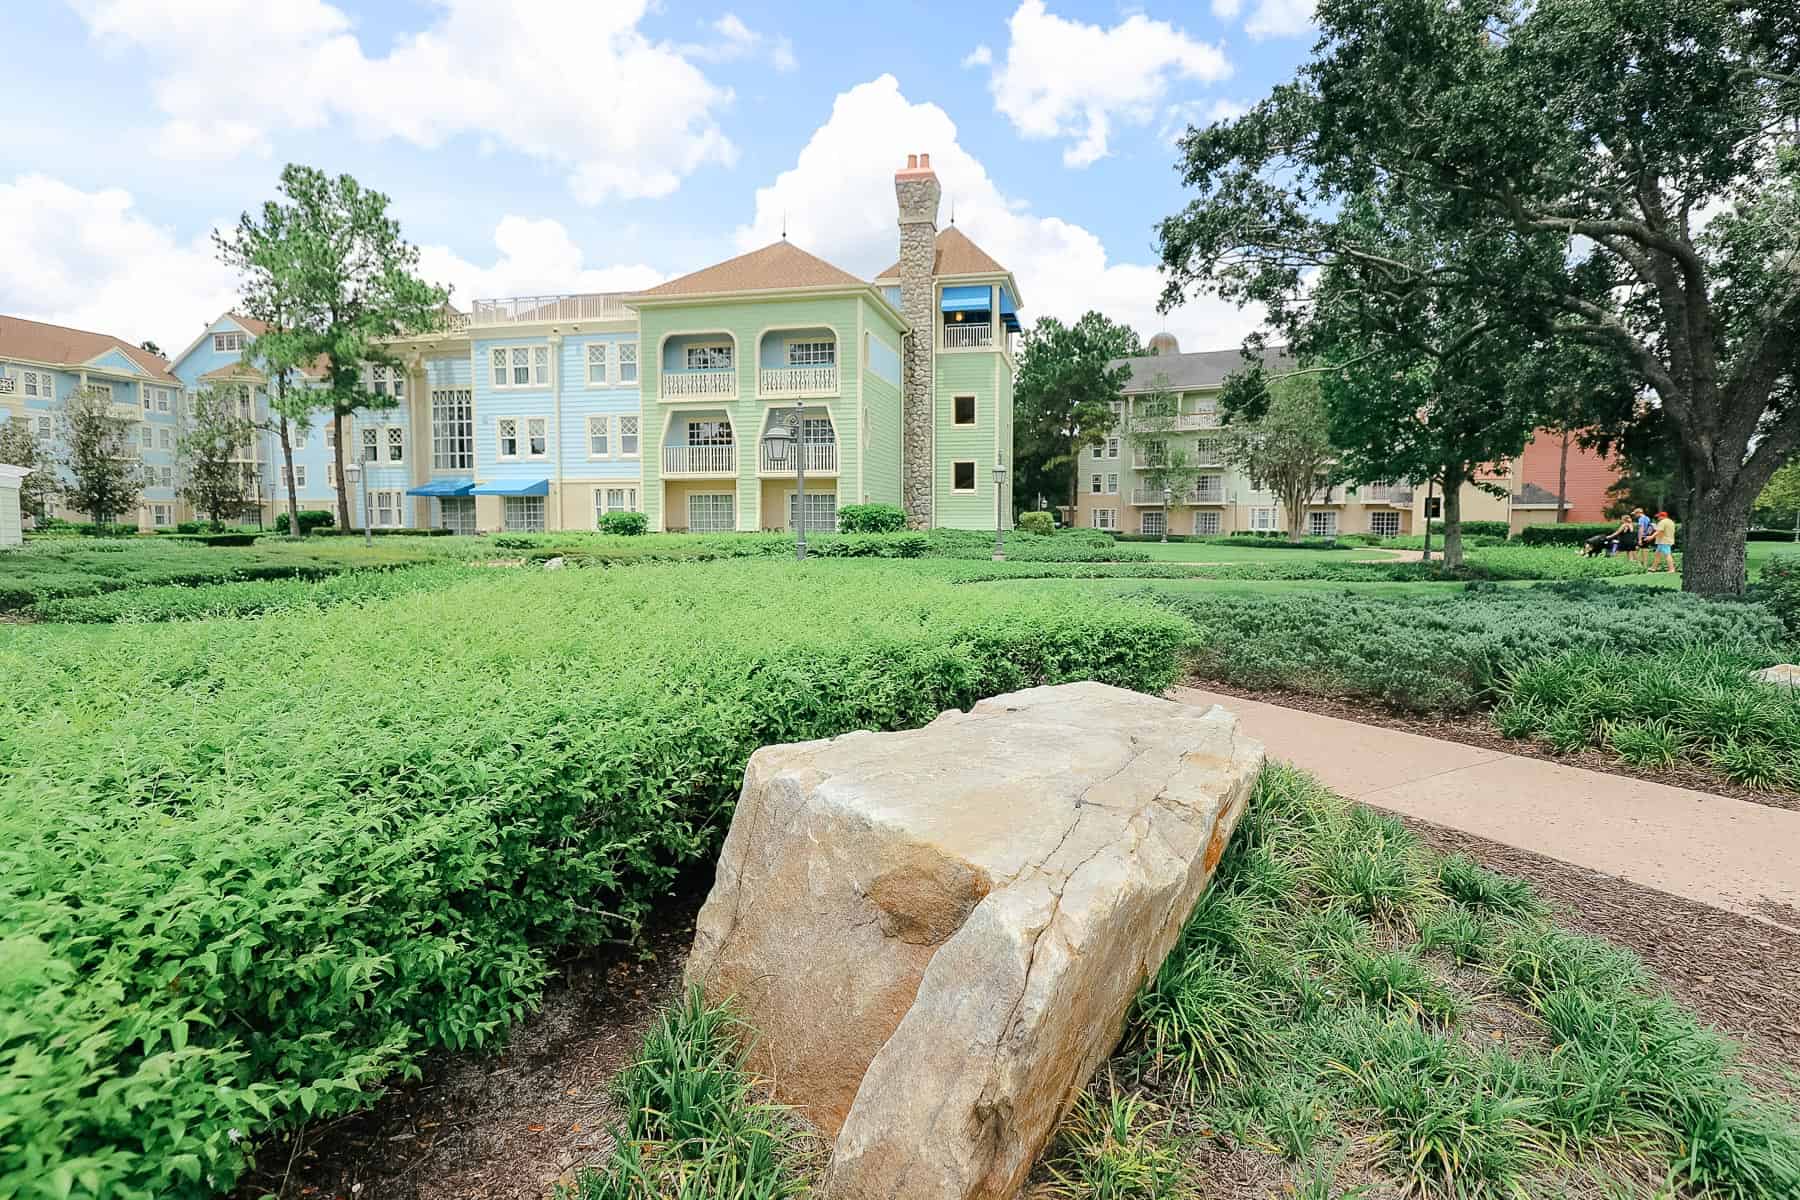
190,527
1780,590
1486,529
310,519
871,518
1041,523
218,539
246,599
625,524
275,914
1563,535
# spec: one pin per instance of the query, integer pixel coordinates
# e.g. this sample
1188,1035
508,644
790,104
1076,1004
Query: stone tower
916,188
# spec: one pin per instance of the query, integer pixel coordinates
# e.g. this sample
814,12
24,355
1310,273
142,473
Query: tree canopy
105,475
1279,436
215,450
1063,397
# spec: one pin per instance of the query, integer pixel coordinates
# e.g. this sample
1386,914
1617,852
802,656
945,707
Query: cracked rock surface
935,934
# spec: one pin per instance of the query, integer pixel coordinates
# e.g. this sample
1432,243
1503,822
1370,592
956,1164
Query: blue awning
1009,309
968,297
444,487
513,487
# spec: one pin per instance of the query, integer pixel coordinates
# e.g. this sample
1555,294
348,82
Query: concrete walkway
1728,853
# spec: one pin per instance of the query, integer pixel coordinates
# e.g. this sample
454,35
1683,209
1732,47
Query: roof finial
784,224
953,210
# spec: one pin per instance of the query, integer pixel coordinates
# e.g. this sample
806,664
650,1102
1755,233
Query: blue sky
536,146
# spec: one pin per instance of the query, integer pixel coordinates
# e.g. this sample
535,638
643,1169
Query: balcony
794,382
1198,495
700,460
1197,420
971,335
521,310
821,459
1385,493
698,385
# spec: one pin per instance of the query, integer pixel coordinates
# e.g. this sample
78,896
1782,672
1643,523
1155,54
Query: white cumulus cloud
838,202
577,84
1068,79
536,257
1279,18
731,40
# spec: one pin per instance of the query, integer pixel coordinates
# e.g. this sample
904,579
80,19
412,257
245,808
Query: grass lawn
1225,552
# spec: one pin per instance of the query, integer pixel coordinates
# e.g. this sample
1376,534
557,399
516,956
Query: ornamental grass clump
250,869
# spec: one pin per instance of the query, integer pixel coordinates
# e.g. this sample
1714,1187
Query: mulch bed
1476,730
507,1126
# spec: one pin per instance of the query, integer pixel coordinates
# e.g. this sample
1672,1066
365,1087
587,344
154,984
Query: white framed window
162,514
1206,523
396,443
1097,484
1262,520
1106,518
243,399
1112,447
1384,524
165,400
143,392
506,436
43,426
962,410
612,500
1112,485
821,511
709,433
537,437
1151,522
524,514
457,514
168,477
628,362
812,354
299,479
596,364
331,435
1322,523
712,512
628,437
41,384
167,437
452,429
599,443
102,390
371,444
229,342
387,381
1099,451
390,511
711,356
520,366
149,437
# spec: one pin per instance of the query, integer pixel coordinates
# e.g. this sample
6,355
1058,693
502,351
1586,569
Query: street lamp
999,502
353,475
1168,492
777,441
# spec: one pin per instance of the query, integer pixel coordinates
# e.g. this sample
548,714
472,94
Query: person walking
1664,541
1646,534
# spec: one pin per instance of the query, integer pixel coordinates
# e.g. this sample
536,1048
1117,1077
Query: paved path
1728,853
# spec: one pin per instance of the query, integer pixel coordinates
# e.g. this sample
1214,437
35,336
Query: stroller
1608,544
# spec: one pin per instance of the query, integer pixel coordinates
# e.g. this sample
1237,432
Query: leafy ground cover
249,598
1346,1010
251,868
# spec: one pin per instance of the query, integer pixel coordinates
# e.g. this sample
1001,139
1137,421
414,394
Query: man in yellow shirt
1664,558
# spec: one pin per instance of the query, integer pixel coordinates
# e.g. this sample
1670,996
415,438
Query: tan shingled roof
956,255
777,265
58,344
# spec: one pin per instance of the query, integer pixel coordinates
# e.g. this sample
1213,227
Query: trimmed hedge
1563,535
1042,524
870,518
625,524
1493,529
216,918
310,519
246,599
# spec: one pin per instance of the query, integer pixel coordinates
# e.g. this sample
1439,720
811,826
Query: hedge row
249,598
249,869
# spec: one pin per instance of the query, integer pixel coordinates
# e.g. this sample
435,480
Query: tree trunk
1562,481
293,492
1711,541
343,490
1295,501
1453,547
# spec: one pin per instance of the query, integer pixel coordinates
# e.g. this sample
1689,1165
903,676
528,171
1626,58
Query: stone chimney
916,189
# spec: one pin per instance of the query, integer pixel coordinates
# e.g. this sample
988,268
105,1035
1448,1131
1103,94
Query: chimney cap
917,165
912,162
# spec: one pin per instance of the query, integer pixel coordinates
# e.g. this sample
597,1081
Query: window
457,514
628,436
628,362
162,514
165,399
1262,520
1434,507
598,428
146,395
1099,451
43,426
396,443
452,430
371,444
168,476
101,390
228,343
821,511
1206,523
812,354
1151,522
1112,447
389,508
537,437
1097,484
524,514
712,513
331,435
712,357
168,438
1384,524
612,500
1106,518
149,437
1322,524
387,381
243,399
962,410
299,480
40,383
1112,485
709,433
596,363
507,432
962,476
520,366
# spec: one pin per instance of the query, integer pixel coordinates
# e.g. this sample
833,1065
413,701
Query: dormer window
228,342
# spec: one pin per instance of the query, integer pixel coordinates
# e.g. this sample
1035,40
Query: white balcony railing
968,336
687,385
821,459
1197,420
798,381
518,310
700,460
1204,458
1199,495
1384,493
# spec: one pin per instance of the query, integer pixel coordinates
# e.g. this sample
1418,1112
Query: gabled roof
1199,371
233,371
956,255
775,267
255,328
73,348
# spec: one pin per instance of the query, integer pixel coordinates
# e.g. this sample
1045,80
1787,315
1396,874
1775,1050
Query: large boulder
935,935
1781,675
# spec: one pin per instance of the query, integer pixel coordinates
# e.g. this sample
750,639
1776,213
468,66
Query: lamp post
777,442
1168,493
999,507
354,473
